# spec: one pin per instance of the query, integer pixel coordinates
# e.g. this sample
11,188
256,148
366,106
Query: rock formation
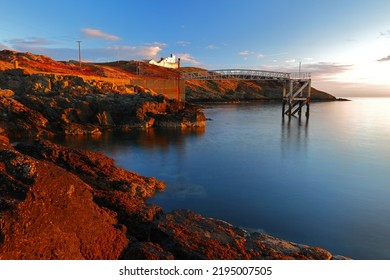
47,104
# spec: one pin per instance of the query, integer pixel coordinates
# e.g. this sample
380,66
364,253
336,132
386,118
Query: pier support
296,94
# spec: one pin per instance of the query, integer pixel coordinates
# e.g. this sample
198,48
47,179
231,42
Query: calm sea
323,182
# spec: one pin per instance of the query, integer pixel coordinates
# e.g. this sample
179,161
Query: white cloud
385,34
329,71
308,59
384,59
289,61
183,43
246,52
96,33
30,42
158,44
3,47
260,55
128,52
36,45
151,51
212,47
186,57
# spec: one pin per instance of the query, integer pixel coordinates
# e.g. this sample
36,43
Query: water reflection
146,138
294,134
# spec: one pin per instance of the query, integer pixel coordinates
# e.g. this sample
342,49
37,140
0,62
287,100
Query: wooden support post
284,99
300,95
308,99
290,98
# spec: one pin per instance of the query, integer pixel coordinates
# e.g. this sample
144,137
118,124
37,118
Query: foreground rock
62,203
188,235
48,213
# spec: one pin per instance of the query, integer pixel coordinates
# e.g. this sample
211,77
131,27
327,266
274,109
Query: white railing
242,74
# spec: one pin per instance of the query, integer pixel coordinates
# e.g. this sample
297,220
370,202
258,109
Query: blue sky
345,44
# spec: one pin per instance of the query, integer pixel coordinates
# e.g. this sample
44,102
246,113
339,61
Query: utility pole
79,53
299,69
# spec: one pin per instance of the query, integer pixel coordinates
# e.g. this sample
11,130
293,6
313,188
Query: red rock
52,214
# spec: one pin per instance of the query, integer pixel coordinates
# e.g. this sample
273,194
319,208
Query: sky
345,44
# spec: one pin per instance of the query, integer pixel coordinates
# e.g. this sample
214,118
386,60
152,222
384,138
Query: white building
168,62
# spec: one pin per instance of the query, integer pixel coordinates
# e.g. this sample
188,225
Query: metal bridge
296,86
243,74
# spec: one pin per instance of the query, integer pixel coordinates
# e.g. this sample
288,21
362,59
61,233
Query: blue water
325,182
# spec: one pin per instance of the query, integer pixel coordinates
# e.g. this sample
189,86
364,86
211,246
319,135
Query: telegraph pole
79,53
300,63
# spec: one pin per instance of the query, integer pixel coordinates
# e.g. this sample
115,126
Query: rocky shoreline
65,203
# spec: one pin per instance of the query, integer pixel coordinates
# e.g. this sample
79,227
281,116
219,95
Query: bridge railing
242,74
300,75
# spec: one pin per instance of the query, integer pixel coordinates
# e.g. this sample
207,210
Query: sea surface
323,182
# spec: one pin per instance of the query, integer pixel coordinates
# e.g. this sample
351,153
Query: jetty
296,86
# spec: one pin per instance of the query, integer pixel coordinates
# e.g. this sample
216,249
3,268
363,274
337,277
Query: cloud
260,55
385,34
212,47
58,52
186,57
326,70
158,44
183,43
147,51
3,47
30,42
384,59
289,61
246,52
96,33
128,52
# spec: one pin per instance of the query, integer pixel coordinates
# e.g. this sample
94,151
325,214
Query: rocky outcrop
48,103
188,235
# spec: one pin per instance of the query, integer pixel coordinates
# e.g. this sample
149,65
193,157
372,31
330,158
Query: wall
167,87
